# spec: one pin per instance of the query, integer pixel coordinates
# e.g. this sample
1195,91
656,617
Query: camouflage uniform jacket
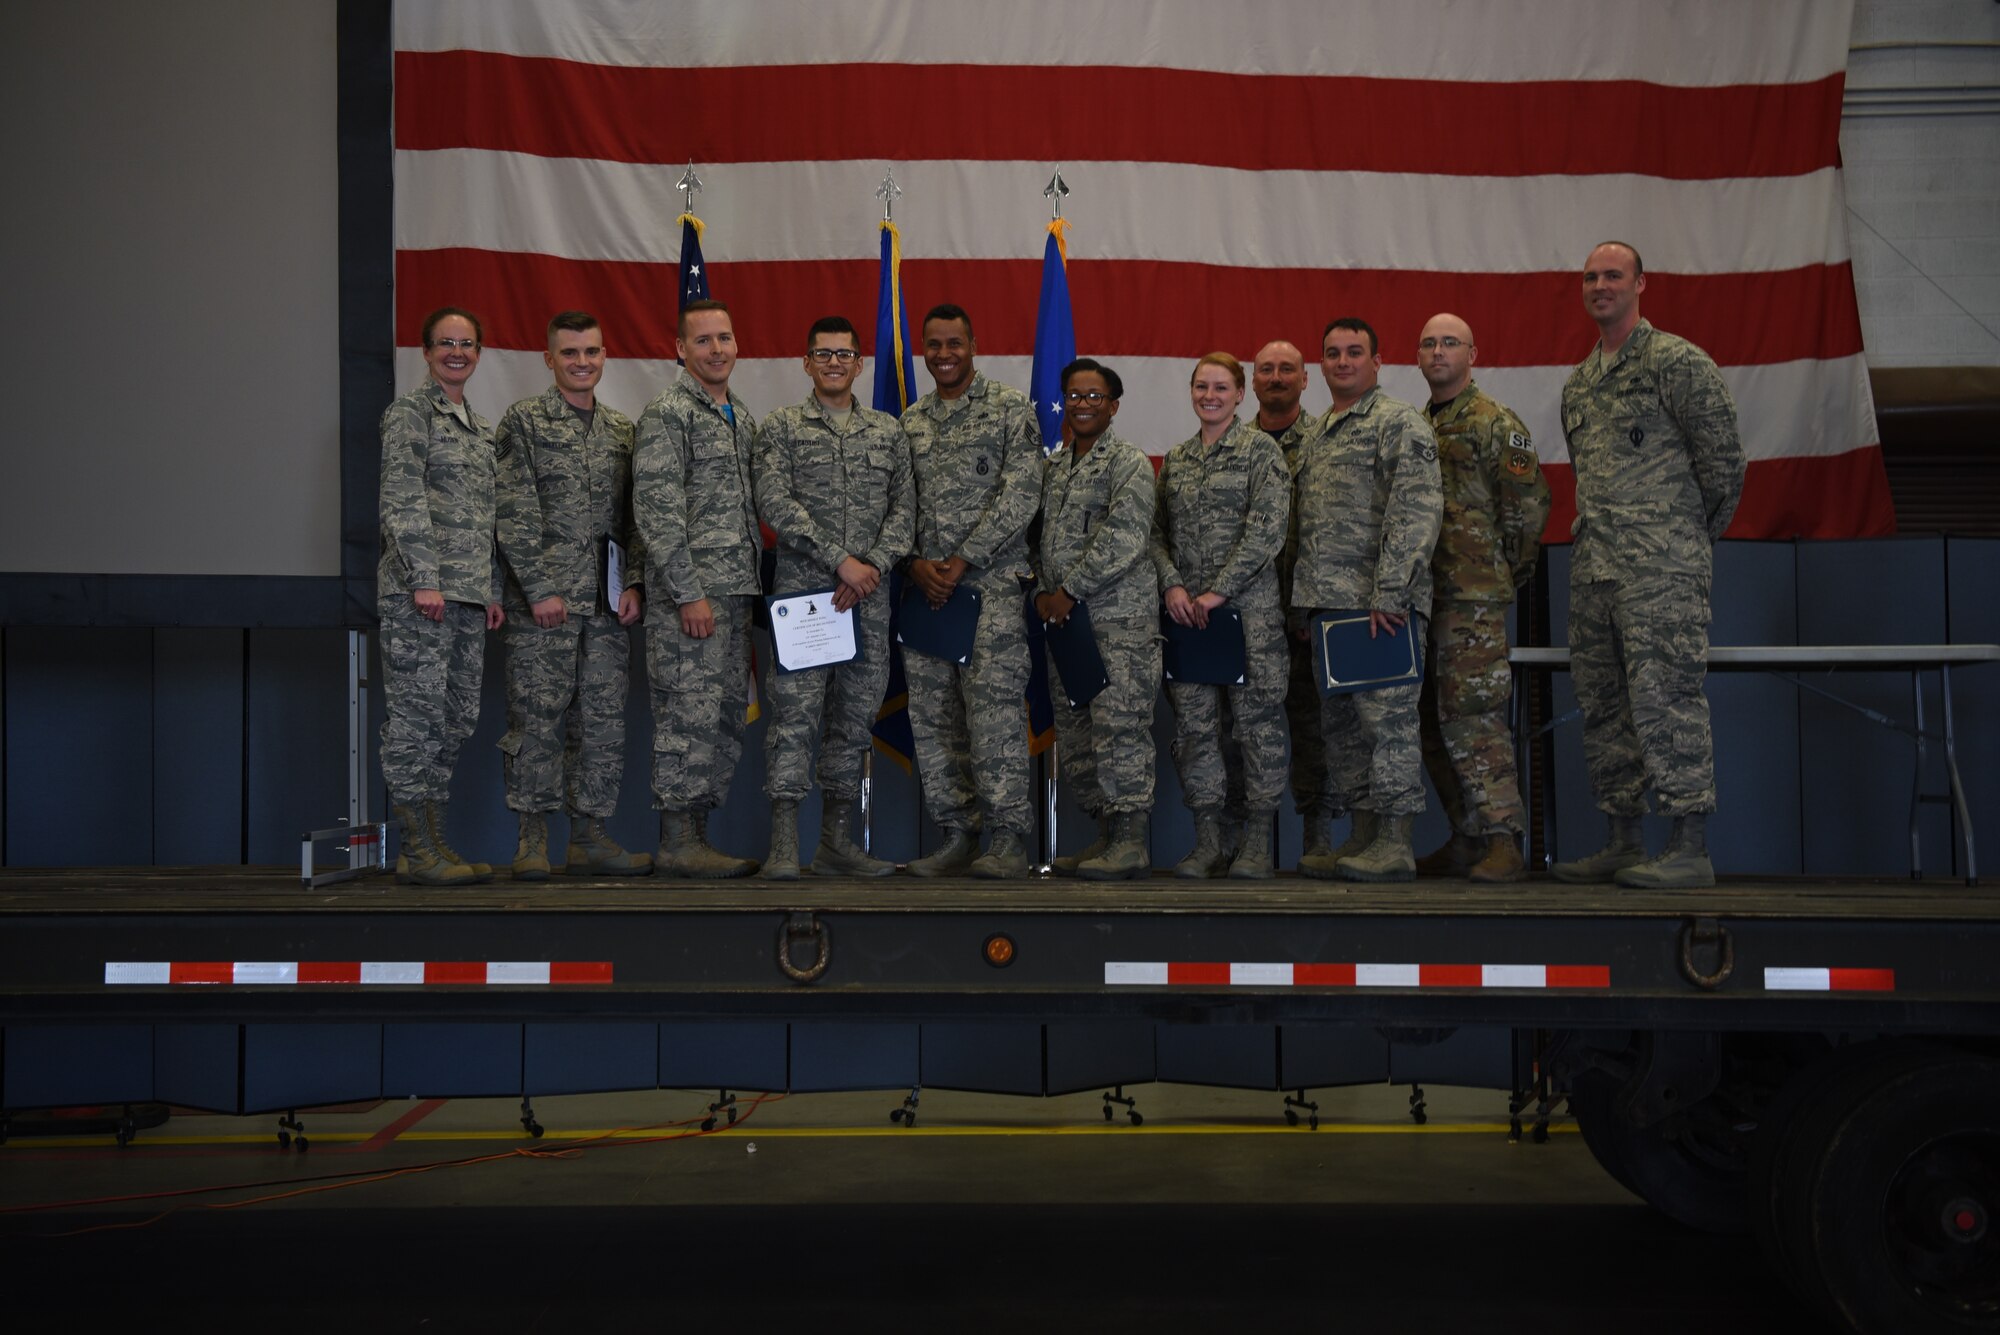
1289,440
1223,513
978,465
1659,467
1496,500
563,487
1096,514
830,494
691,495
437,499
1370,500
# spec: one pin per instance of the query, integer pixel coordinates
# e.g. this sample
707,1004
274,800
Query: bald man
1496,502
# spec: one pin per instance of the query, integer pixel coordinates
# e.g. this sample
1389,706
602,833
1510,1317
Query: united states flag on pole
1246,175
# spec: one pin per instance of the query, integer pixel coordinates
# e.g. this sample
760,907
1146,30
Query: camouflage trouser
700,691
1309,793
566,690
1468,747
431,673
1106,748
1638,652
1255,745
1374,748
970,723
846,698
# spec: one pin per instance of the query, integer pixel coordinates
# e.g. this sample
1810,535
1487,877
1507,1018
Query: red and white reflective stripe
412,973
1147,973
1829,980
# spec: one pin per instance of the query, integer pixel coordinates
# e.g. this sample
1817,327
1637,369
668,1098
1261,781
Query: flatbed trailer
1789,1056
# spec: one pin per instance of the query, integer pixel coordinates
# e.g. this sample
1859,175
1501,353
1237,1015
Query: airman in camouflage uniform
437,591
1495,504
1097,512
691,496
833,482
1225,505
976,451
1278,379
565,487
1370,500
1659,469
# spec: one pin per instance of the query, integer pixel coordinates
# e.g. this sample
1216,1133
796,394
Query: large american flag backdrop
1239,173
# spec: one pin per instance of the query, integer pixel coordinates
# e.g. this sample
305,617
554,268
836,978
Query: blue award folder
1346,660
1073,649
1210,657
942,632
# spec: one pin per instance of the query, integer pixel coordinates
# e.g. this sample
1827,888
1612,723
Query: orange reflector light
999,950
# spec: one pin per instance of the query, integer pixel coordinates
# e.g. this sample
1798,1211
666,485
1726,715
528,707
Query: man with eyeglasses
1370,502
1659,468
976,455
565,482
437,590
832,479
1495,504
691,496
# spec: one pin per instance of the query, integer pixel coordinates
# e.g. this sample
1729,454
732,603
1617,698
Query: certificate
611,575
807,633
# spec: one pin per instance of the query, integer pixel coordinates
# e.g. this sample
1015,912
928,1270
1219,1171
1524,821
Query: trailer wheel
1902,1208
1691,1167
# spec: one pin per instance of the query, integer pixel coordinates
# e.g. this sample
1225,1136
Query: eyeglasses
456,344
1450,343
825,355
1092,397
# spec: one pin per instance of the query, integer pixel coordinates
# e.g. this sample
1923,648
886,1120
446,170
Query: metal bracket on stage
367,851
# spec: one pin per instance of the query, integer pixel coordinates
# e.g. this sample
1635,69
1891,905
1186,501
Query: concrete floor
991,1212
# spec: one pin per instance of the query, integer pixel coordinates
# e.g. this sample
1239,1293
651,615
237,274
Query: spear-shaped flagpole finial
689,185
1054,191
887,193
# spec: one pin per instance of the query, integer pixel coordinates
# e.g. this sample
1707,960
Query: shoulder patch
1519,460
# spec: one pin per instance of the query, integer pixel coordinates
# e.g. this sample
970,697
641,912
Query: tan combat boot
1682,865
434,816
593,852
1318,838
782,862
1454,857
1066,865
1253,860
838,853
1389,858
953,858
684,851
1625,849
419,861
1326,866
1501,864
531,852
1005,859
1205,859
1130,856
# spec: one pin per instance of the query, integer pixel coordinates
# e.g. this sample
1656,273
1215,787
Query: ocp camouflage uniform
1097,512
1659,469
1496,502
565,485
691,498
978,465
436,510
1219,528
1370,501
1310,797
830,492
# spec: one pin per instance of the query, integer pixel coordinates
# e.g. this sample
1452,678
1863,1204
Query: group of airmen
1425,519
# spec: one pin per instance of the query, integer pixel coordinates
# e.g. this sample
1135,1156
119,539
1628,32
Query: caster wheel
1138,1119
910,1119
1291,1118
1513,1131
732,1117
535,1130
125,1134
1107,1112
1420,1117
1312,1123
896,1115
1540,1135
708,1124
303,1144
284,1140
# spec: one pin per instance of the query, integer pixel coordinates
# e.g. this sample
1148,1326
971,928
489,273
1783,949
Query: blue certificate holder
807,633
1073,649
1346,660
1208,657
941,632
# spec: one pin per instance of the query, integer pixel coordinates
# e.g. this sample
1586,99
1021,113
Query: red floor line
387,1135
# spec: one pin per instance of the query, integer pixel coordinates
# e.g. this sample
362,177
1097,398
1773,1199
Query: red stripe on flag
455,971
1861,980
1449,975
1579,975
207,971
1323,975
478,99
580,971
1138,308
1197,975
1801,496
330,971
